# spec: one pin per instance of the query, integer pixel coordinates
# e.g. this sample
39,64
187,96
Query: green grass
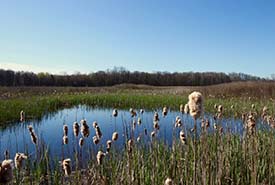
37,106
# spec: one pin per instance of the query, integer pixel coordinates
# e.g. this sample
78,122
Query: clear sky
144,35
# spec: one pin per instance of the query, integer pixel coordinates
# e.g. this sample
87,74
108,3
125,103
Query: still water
16,137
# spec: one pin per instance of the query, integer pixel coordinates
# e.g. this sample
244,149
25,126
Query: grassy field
37,101
209,158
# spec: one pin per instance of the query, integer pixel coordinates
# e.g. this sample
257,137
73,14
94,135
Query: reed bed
215,155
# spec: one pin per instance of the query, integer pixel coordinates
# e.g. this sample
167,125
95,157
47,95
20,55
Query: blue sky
144,35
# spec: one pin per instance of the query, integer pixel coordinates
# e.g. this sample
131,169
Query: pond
16,137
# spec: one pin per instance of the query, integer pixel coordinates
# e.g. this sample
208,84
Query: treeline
119,76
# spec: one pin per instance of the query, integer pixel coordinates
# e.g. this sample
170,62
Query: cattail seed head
65,140
164,111
139,121
76,129
6,173
81,142
156,117
96,140
95,124
130,145
156,125
168,181
85,128
115,112
182,137
66,166
109,144
115,136
132,112
99,157
30,128
195,104
65,130
182,108
33,138
186,108
22,116
98,132
153,134
220,108
141,111
18,159
178,122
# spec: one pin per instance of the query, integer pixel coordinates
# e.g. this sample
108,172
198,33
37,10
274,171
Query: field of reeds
209,153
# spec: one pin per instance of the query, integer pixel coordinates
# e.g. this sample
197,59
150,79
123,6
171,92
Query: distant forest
119,75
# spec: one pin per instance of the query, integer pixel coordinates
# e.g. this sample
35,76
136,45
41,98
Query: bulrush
18,160
81,142
115,112
178,122
130,145
115,136
65,140
139,121
98,132
99,157
65,130
108,145
182,108
156,117
66,166
96,140
95,124
34,138
132,112
76,129
168,181
182,137
156,125
186,109
6,174
22,116
195,104
251,122
153,134
30,128
85,128
164,111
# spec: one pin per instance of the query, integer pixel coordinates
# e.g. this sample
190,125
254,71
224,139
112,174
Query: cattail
220,108
145,131
156,117
96,140
186,108
264,113
65,140
168,181
99,157
22,116
164,111
66,165
139,121
18,159
76,129
109,144
251,122
182,137
30,128
182,108
215,106
195,104
132,112
153,134
115,136
98,132
95,124
156,125
207,124
7,154
81,142
6,174
138,139
65,130
178,122
115,113
141,111
130,145
34,138
85,128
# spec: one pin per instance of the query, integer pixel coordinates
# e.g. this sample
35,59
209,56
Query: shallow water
16,138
